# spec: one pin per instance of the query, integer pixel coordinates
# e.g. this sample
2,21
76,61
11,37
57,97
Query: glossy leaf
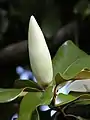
28,105
82,98
76,94
59,79
82,86
62,84
70,61
80,107
80,95
83,102
62,99
8,95
30,89
26,83
77,67
33,99
85,74
64,87
35,115
47,95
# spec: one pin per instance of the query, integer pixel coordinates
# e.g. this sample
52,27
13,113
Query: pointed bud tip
37,46
32,19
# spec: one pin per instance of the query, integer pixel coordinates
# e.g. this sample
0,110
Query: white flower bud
39,55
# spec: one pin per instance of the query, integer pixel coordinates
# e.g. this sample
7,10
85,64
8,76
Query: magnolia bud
39,55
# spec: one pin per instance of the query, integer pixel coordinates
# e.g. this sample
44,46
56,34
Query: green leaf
59,79
29,89
8,95
82,86
78,107
47,95
26,83
33,99
70,61
77,67
76,94
63,99
83,102
85,74
35,115
82,98
28,104
80,95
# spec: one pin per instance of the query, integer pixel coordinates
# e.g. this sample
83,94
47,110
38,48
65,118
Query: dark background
60,20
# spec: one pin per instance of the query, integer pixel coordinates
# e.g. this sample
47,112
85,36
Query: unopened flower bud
40,58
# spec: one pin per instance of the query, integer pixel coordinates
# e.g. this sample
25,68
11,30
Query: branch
14,54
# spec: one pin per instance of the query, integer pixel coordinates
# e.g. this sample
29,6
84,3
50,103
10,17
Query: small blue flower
25,74
14,117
